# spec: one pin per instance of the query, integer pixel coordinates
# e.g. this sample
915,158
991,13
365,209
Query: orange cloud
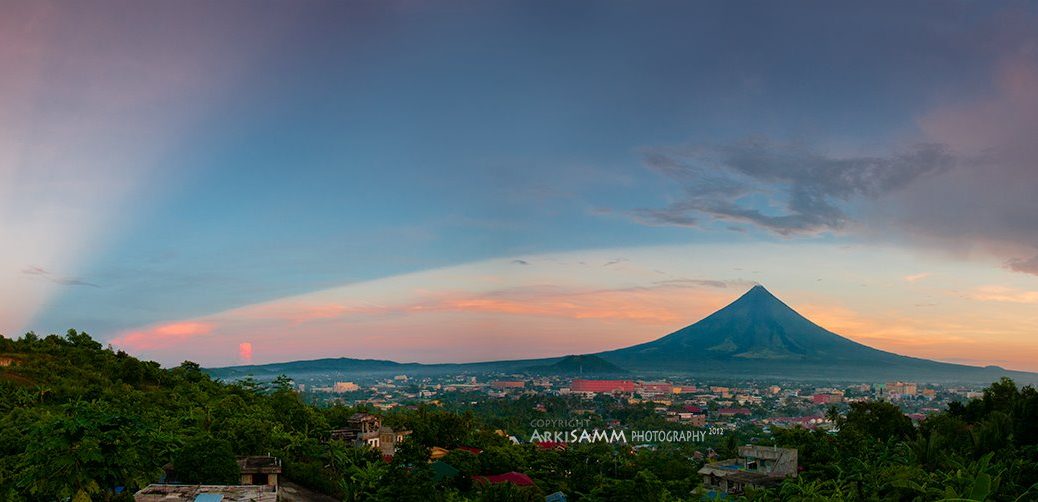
916,277
162,336
1004,294
299,312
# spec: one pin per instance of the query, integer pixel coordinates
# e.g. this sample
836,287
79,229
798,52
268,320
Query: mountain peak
756,326
758,296
758,289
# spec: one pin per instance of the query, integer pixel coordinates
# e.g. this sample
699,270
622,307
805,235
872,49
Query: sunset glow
334,179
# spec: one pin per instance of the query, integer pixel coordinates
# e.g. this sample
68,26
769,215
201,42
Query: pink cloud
441,326
245,352
162,336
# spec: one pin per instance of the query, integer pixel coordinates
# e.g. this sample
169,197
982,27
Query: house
260,471
756,466
367,429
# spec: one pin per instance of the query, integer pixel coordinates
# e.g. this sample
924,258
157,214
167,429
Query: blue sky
201,157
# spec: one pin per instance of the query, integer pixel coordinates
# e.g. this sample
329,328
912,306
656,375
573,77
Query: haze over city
421,182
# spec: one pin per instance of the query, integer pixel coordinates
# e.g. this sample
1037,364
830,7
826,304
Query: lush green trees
81,422
981,450
206,460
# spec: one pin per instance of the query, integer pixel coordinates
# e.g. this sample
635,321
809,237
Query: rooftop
226,493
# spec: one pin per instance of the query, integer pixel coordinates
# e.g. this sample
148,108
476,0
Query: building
367,429
508,384
808,422
827,398
721,391
653,389
262,471
345,387
259,483
603,386
693,419
901,389
205,493
756,466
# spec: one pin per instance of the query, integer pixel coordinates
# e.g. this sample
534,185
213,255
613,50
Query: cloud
785,188
1004,294
697,282
964,187
163,335
64,281
520,262
453,314
1029,266
916,277
984,206
245,352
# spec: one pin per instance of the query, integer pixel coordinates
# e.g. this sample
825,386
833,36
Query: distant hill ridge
757,335
579,365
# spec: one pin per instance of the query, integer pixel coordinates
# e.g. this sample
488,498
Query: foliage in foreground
81,422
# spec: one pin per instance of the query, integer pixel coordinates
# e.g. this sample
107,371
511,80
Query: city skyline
481,181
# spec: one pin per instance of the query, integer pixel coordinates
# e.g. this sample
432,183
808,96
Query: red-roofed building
603,386
516,478
827,398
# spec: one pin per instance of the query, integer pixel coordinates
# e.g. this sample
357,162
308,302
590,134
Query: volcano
758,334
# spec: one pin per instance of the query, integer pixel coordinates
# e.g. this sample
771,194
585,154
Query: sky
247,182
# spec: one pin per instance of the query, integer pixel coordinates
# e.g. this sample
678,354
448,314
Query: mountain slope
760,335
756,326
579,365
